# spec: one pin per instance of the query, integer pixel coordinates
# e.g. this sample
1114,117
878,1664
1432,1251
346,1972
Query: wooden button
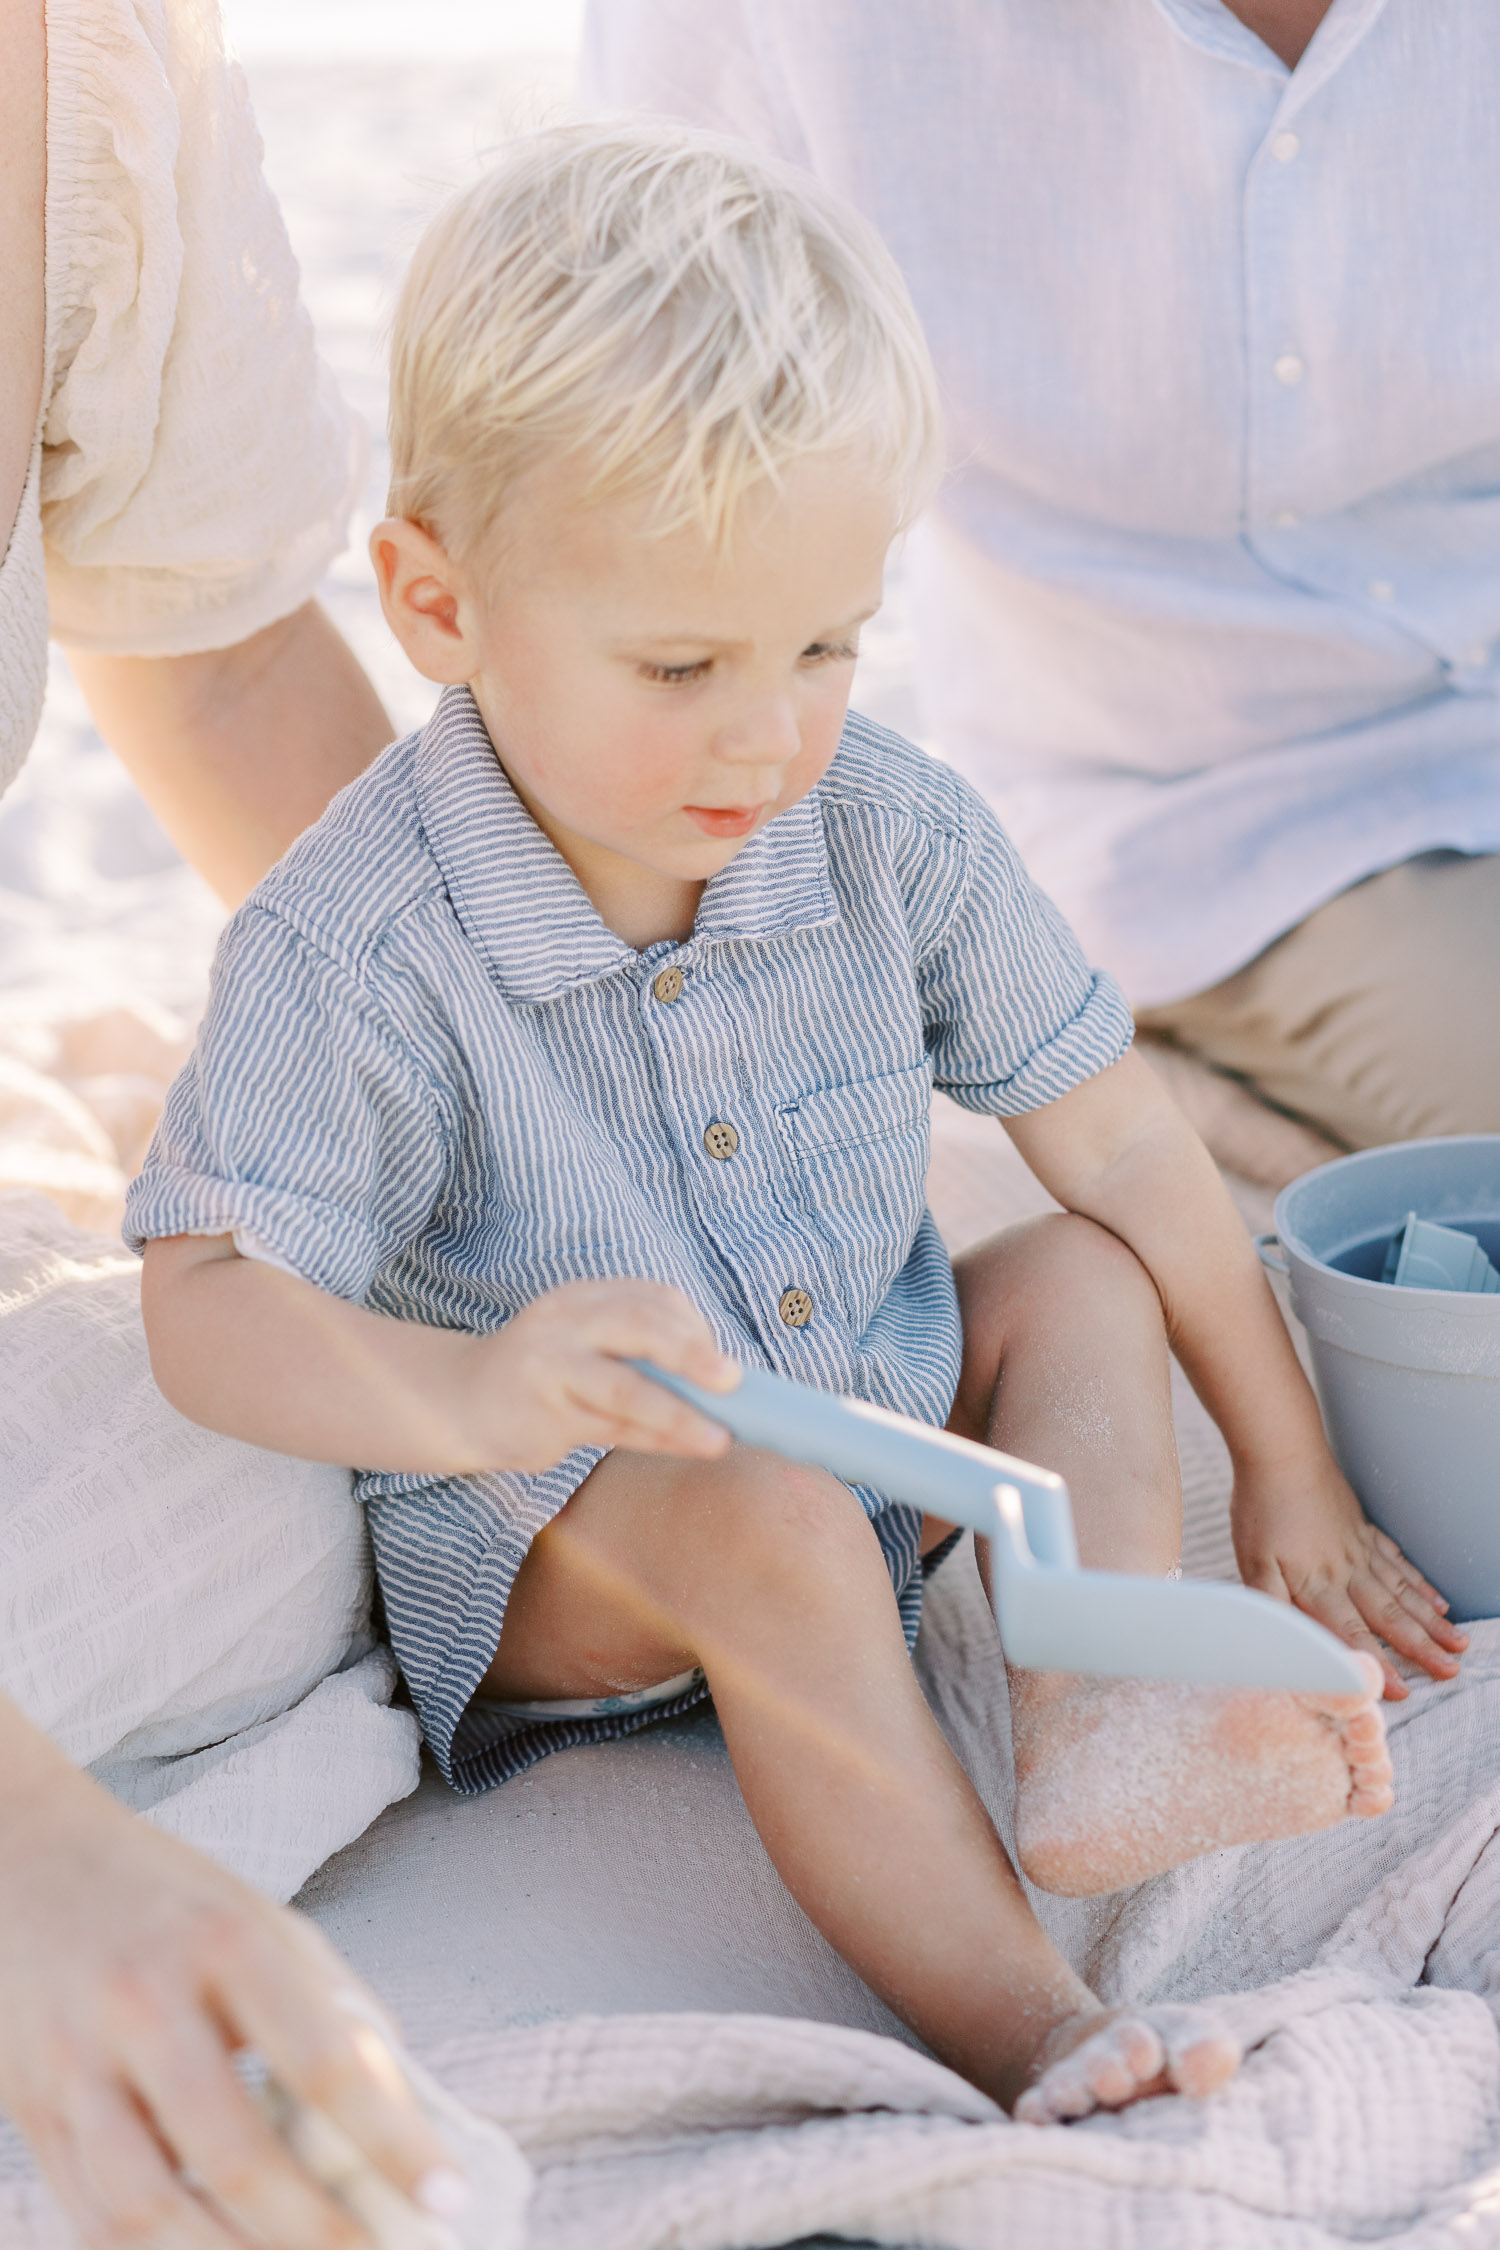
721,1140
795,1307
667,985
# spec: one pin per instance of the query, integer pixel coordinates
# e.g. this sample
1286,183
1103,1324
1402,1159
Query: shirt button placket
795,1307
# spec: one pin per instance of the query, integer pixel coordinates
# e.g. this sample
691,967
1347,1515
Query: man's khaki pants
1376,1019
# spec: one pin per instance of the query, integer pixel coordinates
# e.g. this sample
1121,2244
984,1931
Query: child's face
654,702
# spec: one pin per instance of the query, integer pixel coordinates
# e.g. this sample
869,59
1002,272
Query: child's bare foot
1120,1779
1106,2061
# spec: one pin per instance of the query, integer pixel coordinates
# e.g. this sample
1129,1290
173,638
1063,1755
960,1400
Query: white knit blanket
1368,2108
187,1616
1361,1963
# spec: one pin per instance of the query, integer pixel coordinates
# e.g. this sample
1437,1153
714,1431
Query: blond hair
668,310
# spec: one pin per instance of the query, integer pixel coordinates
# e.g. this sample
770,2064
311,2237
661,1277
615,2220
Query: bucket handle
1267,1245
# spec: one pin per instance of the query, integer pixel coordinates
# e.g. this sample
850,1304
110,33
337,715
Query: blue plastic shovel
1053,1617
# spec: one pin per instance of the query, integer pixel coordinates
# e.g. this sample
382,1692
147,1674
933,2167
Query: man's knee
1369,1019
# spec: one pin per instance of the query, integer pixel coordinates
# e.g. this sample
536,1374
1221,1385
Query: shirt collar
1211,25
523,908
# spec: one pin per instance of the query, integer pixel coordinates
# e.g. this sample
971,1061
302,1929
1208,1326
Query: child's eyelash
818,652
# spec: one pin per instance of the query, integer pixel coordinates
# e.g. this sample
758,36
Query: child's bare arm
258,1354
1118,1150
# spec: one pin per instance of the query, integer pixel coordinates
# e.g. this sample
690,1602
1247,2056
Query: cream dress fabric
188,1616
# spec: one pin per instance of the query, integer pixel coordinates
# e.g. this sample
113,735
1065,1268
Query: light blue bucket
1408,1379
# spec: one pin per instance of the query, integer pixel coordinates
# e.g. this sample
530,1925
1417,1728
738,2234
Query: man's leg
1375,1018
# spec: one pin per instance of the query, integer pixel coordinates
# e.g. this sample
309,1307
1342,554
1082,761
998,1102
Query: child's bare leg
1065,1362
771,1578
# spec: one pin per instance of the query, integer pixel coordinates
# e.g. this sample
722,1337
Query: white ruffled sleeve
199,466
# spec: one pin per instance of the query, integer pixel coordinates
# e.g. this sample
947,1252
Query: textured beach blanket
1368,2108
187,1616
1361,1967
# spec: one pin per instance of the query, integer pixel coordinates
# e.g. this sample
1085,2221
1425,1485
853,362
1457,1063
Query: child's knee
1057,1258
772,1525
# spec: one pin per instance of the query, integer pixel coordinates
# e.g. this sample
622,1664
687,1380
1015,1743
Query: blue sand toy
1425,1256
1408,1378
1053,1617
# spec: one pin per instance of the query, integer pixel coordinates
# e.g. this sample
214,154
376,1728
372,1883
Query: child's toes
1112,2067
1364,1729
1163,2050
1368,1754
1120,2062
1368,1800
1202,2054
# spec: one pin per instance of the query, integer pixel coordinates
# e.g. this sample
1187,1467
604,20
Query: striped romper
431,1080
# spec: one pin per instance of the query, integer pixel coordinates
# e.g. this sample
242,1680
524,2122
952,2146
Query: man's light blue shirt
1210,607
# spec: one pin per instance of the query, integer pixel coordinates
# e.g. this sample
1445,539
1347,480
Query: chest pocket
861,1152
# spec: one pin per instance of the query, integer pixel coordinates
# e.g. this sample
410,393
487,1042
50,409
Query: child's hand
554,1377
1304,1538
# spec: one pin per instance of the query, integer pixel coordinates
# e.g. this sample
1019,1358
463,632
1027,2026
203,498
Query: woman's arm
23,184
239,749
1118,1150
132,1970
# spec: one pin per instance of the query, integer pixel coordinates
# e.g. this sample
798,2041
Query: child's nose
767,736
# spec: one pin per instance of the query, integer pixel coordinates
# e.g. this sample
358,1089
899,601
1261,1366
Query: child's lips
723,820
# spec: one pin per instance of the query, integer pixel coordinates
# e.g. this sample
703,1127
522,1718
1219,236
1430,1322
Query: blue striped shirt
430,1080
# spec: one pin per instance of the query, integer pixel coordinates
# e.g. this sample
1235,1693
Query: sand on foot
1117,1780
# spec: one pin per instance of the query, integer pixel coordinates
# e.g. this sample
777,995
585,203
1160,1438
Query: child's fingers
642,1416
1410,1591
648,1320
1333,1605
1389,1552
1388,1616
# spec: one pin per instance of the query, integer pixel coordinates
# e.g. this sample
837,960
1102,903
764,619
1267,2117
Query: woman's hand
556,1376
132,1969
1300,1534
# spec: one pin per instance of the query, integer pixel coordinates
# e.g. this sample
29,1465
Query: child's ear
427,601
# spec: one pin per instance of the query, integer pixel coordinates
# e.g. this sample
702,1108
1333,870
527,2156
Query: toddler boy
600,1019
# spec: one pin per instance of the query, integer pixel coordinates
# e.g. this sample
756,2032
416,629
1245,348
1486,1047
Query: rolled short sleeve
1013,1014
198,464
300,1126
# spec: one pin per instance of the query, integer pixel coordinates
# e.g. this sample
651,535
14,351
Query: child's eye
672,675
830,652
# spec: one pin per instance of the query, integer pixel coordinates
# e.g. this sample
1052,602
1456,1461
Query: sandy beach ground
105,935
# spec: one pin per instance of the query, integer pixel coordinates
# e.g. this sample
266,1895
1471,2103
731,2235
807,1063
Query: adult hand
131,1970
